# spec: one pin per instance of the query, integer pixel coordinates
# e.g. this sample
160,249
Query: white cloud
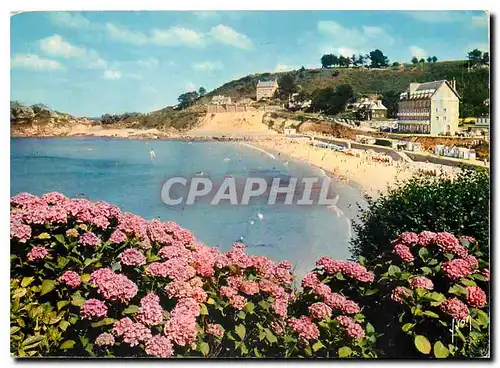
480,21
228,36
149,63
69,20
190,87
56,46
347,41
207,66
133,76
163,37
433,16
418,52
34,62
112,74
98,64
280,68
205,14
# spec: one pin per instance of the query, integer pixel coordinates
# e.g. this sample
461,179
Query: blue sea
121,172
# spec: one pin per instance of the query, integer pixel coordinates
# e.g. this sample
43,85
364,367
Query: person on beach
152,154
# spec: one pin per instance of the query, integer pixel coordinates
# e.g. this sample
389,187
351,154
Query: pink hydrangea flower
319,311
447,242
112,286
280,306
336,301
159,346
150,312
305,328
105,339
426,238
486,274
249,287
132,257
421,282
472,261
93,308
72,233
352,329
238,301
466,238
331,266
118,237
89,239
457,268
476,297
399,294
455,308
215,329
157,233
174,252
310,280
356,271
37,253
70,278
19,230
132,333
350,307
181,327
322,290
408,238
277,328
403,252
23,199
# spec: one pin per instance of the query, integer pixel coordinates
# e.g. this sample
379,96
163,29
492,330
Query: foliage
414,60
187,99
459,206
390,99
202,91
378,59
117,118
332,100
430,297
477,57
287,86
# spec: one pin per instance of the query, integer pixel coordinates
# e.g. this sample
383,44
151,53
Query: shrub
429,285
459,206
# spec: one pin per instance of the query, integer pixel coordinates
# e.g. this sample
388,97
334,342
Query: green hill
472,85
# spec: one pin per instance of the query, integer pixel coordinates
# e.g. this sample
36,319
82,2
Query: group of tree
430,59
477,57
286,87
116,118
376,59
189,98
331,100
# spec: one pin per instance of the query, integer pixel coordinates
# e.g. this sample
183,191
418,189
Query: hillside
473,85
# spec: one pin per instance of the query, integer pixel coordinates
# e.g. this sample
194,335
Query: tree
486,58
475,57
421,61
327,60
287,86
424,203
332,100
187,99
342,61
434,59
395,64
429,59
414,60
378,59
390,100
361,60
202,91
354,60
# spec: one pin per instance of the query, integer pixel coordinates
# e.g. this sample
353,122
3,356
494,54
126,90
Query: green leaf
468,282
393,270
240,331
14,329
62,262
344,352
369,328
426,270
77,301
62,304
458,290
317,345
116,266
63,325
371,292
203,309
60,239
270,336
68,344
422,344
241,315
264,305
204,348
431,314
482,318
407,327
423,253
249,307
479,277
47,286
32,340
26,281
440,351
131,309
103,322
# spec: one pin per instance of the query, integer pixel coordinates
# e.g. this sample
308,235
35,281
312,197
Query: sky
91,63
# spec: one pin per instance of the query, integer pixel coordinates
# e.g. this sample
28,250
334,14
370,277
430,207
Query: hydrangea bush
90,280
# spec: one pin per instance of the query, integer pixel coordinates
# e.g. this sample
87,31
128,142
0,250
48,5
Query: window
437,109
444,110
444,118
437,117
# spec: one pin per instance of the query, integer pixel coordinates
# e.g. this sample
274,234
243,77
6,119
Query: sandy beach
371,177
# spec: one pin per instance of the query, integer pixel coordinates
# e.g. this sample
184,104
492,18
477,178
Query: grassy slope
473,86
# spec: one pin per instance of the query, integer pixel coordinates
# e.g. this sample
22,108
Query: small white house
290,131
413,146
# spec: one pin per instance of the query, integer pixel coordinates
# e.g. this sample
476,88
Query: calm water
121,172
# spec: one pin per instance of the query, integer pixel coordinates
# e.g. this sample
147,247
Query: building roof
426,90
267,84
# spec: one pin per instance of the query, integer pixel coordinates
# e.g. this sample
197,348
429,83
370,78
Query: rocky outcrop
40,120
